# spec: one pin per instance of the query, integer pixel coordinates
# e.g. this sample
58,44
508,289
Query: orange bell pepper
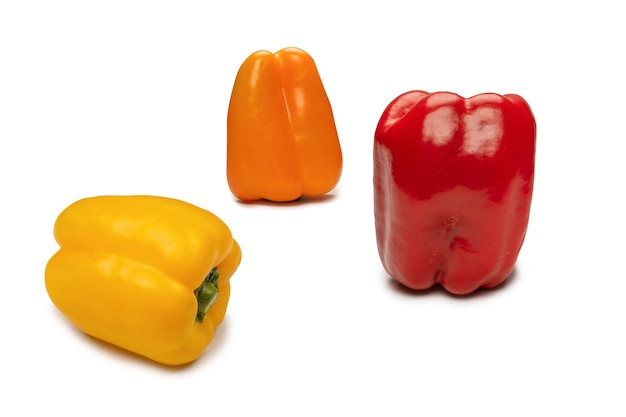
282,142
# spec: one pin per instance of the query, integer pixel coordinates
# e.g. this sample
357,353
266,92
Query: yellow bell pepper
148,274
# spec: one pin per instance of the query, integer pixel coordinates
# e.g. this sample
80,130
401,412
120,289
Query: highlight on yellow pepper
282,142
146,273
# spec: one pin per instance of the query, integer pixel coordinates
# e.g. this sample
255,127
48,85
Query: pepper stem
206,294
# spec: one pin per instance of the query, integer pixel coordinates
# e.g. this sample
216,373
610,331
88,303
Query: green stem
206,294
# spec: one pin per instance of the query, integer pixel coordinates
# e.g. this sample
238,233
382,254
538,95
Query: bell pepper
148,274
282,143
453,181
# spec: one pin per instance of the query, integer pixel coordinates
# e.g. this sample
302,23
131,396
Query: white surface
124,97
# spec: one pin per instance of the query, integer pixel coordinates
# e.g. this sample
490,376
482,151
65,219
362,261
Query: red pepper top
461,141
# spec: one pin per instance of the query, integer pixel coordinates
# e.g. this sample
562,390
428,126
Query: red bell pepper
453,181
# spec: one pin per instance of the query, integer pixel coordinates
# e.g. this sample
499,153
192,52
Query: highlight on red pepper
282,142
453,182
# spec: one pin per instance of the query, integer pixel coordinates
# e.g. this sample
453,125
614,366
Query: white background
130,97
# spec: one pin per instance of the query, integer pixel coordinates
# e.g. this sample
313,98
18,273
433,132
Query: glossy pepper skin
282,142
148,274
453,181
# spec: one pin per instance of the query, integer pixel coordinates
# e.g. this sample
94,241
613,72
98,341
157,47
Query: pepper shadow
437,289
298,202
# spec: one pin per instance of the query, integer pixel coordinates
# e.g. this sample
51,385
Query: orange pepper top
282,140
